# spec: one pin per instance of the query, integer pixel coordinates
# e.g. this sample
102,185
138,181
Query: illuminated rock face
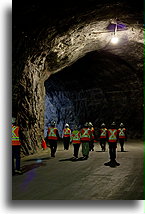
90,90
59,42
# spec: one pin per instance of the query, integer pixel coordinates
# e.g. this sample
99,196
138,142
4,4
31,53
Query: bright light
114,40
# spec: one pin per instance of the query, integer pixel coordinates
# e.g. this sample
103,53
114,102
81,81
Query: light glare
114,40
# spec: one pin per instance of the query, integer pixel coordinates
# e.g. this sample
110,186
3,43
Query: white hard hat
121,124
103,124
66,125
113,124
53,123
86,124
90,124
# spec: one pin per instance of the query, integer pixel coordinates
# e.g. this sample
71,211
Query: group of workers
86,137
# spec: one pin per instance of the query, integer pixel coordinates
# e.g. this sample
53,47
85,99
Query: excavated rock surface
49,39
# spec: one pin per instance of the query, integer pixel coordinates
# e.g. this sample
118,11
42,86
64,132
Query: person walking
91,143
66,136
103,136
122,135
85,136
52,137
112,141
75,139
16,146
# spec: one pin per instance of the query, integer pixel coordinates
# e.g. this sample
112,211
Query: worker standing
85,136
53,136
103,136
122,135
112,141
66,136
75,139
91,143
16,146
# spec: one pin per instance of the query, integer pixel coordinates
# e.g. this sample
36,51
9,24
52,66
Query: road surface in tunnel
59,178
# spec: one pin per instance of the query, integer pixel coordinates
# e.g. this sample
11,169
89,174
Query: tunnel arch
56,49
99,87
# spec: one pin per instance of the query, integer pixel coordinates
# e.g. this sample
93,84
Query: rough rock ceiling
65,31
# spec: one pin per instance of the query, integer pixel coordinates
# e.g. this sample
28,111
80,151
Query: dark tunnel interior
66,46
99,87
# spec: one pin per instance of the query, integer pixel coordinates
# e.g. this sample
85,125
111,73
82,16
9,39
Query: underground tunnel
99,87
66,68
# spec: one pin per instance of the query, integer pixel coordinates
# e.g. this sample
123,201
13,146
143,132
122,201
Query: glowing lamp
114,40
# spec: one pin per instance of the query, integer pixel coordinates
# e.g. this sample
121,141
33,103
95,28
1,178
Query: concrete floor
59,178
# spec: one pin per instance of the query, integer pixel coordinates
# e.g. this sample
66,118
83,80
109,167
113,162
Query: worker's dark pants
103,144
112,150
66,141
121,141
85,148
53,147
15,155
91,145
76,149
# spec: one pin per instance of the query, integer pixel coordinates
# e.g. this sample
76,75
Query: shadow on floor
29,167
38,159
101,151
72,159
123,151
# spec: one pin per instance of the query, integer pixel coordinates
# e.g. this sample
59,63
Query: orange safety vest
52,133
15,136
103,132
75,137
121,133
112,135
85,134
66,132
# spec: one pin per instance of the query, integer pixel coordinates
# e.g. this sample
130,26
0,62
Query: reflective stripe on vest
85,135
75,137
103,133
52,133
121,133
66,132
112,135
15,135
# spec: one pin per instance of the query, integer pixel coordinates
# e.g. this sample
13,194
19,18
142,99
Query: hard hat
121,124
90,124
13,119
53,123
103,125
86,124
113,124
66,125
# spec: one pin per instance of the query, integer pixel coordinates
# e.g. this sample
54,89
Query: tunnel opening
99,87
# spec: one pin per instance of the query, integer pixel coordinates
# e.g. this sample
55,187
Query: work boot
117,164
52,155
113,164
107,164
75,159
85,157
19,172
